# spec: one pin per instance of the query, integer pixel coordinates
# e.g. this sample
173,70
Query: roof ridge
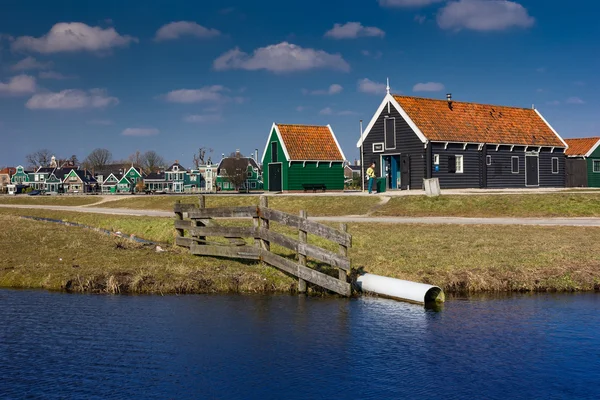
584,138
308,125
462,102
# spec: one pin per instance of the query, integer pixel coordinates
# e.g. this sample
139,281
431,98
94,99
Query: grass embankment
50,200
457,258
313,205
509,205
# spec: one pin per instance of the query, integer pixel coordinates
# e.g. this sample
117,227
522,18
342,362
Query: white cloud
18,85
330,111
140,132
104,122
579,83
353,30
326,111
575,100
73,36
214,93
375,54
333,89
30,63
368,86
199,118
484,15
175,30
71,99
541,70
282,57
54,75
428,87
300,108
407,3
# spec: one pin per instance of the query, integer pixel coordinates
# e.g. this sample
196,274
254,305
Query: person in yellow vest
371,176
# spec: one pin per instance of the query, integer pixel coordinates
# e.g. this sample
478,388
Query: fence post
179,216
256,224
343,276
302,236
200,222
264,203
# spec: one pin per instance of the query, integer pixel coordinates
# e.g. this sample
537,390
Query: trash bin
381,185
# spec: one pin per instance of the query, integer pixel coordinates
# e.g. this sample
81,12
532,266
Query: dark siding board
547,178
470,176
407,143
499,174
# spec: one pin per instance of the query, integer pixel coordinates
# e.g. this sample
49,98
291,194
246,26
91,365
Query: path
592,222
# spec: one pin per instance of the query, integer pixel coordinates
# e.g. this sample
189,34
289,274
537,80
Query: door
275,183
576,171
405,172
532,166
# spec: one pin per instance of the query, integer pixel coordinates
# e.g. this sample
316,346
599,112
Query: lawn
509,205
50,200
457,258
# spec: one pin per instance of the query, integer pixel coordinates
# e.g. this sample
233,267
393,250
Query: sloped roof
228,163
478,123
156,175
310,142
582,147
8,170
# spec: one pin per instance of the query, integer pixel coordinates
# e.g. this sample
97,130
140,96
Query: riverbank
457,258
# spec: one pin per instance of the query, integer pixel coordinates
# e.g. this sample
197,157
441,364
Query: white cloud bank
428,87
214,94
71,99
72,37
18,85
333,89
368,86
484,15
353,30
175,30
138,132
279,58
29,63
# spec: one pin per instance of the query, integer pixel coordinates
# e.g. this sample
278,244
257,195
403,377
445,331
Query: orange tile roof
310,142
8,170
580,146
479,123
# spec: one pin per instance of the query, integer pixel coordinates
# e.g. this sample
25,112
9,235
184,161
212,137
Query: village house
20,177
5,175
583,162
250,176
465,145
79,181
302,157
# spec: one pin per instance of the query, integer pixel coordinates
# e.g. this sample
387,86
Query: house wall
303,173
471,168
593,177
268,158
407,143
547,178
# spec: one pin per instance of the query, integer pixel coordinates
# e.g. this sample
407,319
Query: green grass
314,205
50,200
457,258
519,205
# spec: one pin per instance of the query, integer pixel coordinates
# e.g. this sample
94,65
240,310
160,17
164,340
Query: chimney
256,155
449,98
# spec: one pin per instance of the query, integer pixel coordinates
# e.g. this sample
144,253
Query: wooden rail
199,223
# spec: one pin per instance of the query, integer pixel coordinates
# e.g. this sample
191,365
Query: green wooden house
253,175
582,167
302,157
20,177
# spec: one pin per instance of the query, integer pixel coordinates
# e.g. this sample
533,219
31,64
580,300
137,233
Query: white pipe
402,290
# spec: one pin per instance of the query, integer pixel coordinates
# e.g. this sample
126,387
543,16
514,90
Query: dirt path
593,222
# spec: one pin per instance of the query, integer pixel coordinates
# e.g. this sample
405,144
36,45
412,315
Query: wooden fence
199,222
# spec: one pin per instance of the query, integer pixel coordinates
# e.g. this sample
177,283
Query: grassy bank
457,258
519,205
50,200
314,205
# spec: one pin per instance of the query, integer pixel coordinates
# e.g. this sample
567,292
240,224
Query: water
56,345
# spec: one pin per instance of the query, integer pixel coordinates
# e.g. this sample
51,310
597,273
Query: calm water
284,347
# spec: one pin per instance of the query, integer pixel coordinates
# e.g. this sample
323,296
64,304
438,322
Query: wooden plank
264,204
184,241
245,252
312,227
183,224
309,250
309,275
222,212
302,238
343,250
225,231
183,207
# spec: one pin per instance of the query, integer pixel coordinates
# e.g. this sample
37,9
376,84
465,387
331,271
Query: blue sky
172,76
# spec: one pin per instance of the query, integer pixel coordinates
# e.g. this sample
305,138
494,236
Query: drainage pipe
413,292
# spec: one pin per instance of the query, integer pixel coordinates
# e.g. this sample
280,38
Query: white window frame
511,164
252,185
460,167
557,165
594,169
385,133
488,160
378,147
436,159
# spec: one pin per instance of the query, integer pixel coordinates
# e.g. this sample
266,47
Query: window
555,165
488,160
389,133
459,164
249,174
596,165
253,185
274,155
377,147
436,159
514,160
455,164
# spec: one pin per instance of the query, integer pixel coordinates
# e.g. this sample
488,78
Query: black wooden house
465,145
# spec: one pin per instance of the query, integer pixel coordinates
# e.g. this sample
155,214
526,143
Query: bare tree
136,159
98,158
39,158
236,168
151,161
200,157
